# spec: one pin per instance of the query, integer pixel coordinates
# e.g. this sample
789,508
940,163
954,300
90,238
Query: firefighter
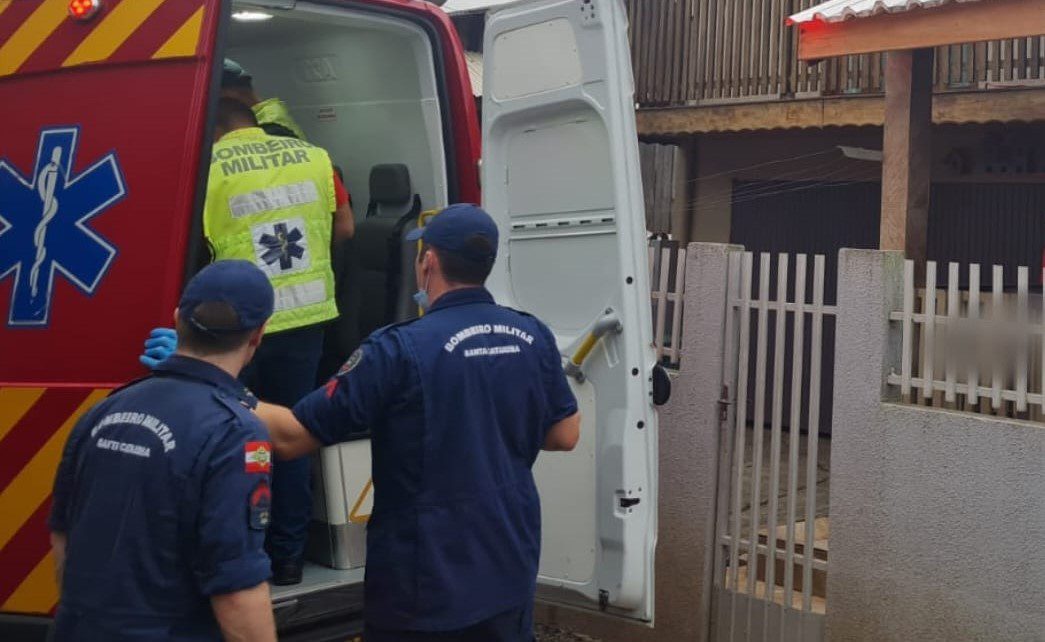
272,113
162,495
270,200
459,403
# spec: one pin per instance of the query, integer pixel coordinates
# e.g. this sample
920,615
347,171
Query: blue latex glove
160,345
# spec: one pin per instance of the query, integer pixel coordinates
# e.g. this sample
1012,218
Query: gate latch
723,404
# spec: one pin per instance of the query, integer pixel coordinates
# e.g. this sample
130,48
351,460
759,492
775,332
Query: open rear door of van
101,134
561,176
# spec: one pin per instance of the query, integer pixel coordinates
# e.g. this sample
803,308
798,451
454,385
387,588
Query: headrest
390,184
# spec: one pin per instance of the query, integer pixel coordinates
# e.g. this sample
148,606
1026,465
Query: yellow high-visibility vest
271,200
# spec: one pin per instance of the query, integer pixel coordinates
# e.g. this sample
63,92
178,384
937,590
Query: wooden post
907,147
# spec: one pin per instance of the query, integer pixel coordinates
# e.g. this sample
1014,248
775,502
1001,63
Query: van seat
375,269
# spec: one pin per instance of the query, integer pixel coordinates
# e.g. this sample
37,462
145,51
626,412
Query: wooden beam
907,152
1017,105
949,24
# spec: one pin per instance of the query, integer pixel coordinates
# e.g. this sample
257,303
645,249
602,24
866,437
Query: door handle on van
609,323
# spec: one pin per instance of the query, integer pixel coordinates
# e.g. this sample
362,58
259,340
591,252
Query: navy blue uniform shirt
163,494
459,403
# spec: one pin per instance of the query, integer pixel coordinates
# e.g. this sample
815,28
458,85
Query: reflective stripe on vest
271,200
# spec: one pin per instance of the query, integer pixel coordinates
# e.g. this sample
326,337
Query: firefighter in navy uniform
277,202
459,403
162,497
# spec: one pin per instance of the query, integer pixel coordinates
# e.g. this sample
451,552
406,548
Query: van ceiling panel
361,86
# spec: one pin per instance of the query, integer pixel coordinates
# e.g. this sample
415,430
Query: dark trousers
515,625
282,372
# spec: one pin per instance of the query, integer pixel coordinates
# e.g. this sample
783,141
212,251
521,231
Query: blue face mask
421,299
421,296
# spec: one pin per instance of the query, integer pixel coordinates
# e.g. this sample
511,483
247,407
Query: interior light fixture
251,16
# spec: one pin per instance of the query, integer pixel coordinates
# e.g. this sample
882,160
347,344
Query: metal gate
772,525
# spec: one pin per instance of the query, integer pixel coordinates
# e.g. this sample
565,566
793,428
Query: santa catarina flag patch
258,456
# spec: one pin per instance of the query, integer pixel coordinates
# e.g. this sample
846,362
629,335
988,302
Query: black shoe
286,572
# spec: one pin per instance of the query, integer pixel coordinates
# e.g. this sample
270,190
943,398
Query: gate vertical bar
730,363
813,440
795,432
780,340
744,344
758,429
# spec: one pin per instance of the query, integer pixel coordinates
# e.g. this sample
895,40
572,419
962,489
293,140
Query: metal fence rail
972,350
667,269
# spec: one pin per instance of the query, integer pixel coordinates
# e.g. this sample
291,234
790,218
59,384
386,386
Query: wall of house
717,160
936,517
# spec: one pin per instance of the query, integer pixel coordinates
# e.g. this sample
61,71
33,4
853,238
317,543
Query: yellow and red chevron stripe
39,35
34,425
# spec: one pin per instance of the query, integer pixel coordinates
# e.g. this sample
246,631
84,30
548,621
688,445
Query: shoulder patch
352,362
257,456
259,506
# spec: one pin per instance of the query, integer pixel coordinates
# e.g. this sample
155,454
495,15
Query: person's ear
256,336
175,317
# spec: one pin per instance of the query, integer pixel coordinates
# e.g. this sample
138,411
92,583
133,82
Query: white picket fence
972,350
667,269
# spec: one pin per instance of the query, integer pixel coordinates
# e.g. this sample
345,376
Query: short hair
462,268
232,114
211,329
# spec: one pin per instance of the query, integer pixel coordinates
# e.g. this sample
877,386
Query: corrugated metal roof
475,71
839,10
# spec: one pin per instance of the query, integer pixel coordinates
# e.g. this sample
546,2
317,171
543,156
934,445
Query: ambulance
106,121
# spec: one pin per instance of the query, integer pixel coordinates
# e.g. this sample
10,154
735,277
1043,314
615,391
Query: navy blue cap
452,228
233,73
240,284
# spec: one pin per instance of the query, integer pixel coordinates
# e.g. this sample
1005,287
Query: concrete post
688,465
870,286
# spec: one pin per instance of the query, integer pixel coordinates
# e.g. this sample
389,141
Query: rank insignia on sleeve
260,506
258,456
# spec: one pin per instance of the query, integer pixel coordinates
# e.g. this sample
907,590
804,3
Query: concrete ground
555,633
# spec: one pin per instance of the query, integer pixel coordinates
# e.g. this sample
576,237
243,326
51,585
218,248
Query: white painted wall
937,518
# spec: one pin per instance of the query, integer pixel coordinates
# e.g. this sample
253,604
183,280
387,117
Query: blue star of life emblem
282,246
44,224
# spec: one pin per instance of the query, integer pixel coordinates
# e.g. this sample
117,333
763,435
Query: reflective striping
41,24
354,516
24,551
290,297
273,198
115,28
15,402
38,592
32,485
183,41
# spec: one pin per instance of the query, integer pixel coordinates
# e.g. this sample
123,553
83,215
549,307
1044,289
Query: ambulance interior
363,86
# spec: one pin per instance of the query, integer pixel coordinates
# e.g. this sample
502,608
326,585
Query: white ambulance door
561,177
